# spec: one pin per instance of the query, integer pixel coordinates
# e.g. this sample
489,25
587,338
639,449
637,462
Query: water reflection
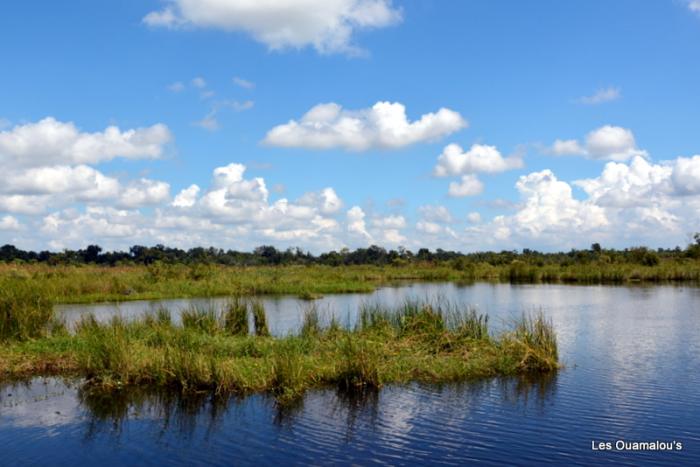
49,402
632,357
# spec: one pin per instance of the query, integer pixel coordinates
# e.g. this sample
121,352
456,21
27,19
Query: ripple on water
633,369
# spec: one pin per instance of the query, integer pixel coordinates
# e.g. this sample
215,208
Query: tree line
373,255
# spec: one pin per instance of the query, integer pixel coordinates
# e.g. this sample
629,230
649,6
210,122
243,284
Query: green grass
414,342
84,284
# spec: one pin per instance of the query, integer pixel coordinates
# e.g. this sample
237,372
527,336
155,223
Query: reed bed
413,342
90,283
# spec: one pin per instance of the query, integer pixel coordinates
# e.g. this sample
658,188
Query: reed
25,311
89,283
201,319
311,325
416,341
260,319
236,317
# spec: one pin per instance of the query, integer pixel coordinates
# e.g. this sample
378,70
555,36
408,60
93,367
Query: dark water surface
632,358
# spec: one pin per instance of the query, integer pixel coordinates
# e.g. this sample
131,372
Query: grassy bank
212,350
80,284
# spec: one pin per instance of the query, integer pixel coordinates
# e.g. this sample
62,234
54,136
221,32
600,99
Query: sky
324,124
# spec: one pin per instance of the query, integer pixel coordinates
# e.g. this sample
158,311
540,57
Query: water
632,358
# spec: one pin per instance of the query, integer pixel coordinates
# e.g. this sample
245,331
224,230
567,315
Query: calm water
633,374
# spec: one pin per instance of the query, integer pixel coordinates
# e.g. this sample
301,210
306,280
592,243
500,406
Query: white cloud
50,142
83,181
686,175
327,199
612,143
601,96
392,238
389,222
568,147
234,211
480,158
622,185
94,225
384,125
144,192
243,83
694,5
431,228
548,206
9,223
24,204
435,213
629,203
470,185
326,25
187,197
474,218
356,223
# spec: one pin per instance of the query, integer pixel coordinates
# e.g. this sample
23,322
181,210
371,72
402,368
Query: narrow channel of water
633,373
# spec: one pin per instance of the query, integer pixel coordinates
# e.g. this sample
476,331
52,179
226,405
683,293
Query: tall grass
79,284
25,311
311,324
201,319
416,341
537,343
259,319
236,317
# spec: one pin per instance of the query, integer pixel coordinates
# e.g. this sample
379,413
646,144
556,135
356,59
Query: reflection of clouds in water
42,403
633,367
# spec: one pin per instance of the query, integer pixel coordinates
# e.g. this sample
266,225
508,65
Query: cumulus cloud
389,222
628,185
431,228
612,143
384,126
9,223
470,185
326,25
187,197
686,175
548,205
83,181
71,226
234,211
601,96
24,204
144,192
356,223
629,203
474,217
50,142
435,213
327,200
479,158
642,183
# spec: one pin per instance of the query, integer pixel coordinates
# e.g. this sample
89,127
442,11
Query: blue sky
577,122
